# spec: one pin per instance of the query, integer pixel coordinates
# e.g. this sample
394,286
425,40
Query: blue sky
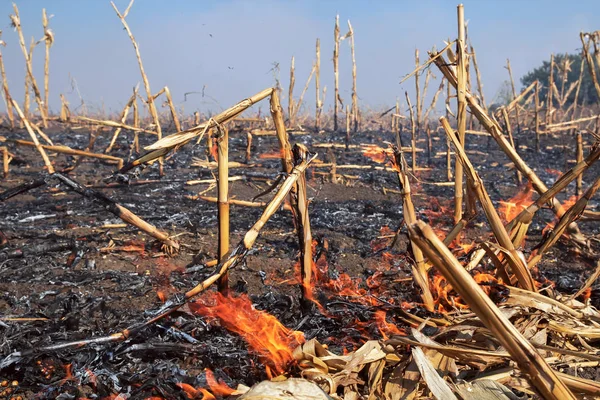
229,46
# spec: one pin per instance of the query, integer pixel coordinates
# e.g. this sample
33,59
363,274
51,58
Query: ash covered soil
64,276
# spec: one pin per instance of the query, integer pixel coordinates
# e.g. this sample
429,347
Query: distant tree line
572,64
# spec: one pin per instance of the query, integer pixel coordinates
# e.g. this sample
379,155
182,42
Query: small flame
376,153
566,205
265,335
219,387
513,207
273,155
190,391
385,327
554,172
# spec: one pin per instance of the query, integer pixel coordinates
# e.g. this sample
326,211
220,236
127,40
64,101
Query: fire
554,172
219,388
214,151
265,335
274,155
195,394
513,207
566,205
385,327
376,153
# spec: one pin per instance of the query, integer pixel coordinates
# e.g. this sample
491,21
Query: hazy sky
229,47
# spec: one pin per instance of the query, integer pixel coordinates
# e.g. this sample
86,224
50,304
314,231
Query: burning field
398,257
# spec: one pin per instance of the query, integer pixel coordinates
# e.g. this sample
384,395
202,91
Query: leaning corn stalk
107,203
520,224
515,260
572,213
420,271
123,118
589,60
34,138
151,105
494,129
521,350
173,142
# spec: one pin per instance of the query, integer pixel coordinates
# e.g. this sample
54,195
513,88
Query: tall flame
265,335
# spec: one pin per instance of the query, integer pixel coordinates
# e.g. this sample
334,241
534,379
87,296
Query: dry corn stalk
494,129
417,90
6,158
589,60
319,103
70,151
298,104
355,111
172,109
34,138
123,118
520,224
65,112
478,76
151,105
298,197
572,213
48,40
549,99
579,158
514,94
512,140
461,114
336,71
27,99
7,96
521,350
172,142
420,270
291,94
16,22
515,258
413,134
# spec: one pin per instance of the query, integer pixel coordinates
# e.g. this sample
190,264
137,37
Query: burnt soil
83,280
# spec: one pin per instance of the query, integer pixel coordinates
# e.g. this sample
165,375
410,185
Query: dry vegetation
492,327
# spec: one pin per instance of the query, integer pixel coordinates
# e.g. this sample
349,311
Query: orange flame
273,155
385,327
265,335
513,207
218,388
566,205
376,153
